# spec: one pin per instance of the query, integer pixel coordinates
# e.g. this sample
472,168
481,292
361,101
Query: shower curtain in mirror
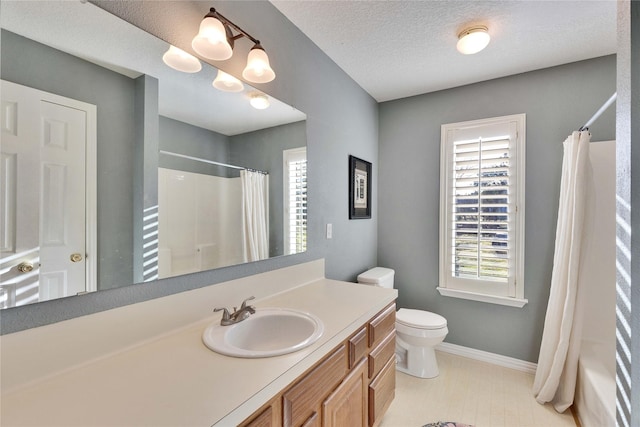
255,215
558,360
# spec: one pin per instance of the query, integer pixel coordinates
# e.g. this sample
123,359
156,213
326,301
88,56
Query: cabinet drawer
306,396
382,325
382,392
357,347
379,356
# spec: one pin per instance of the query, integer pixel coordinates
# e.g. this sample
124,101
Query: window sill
491,299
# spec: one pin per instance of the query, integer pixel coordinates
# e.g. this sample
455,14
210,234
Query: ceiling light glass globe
258,69
211,41
180,60
473,41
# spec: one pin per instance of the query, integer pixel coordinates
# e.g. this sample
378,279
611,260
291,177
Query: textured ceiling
395,49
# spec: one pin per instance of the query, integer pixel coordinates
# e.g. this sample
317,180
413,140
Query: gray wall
262,150
556,101
342,119
183,138
38,66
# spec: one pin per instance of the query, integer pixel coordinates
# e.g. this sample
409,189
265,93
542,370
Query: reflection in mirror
117,169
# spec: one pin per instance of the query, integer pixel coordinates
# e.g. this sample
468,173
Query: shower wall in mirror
156,132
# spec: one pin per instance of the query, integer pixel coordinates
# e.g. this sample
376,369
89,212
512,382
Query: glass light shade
473,40
259,101
258,69
211,41
227,83
180,60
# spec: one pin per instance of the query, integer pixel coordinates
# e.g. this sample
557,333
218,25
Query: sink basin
269,332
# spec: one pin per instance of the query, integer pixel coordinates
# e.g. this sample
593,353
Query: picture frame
359,188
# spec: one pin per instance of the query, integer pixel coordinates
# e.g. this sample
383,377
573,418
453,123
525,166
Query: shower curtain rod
600,111
211,162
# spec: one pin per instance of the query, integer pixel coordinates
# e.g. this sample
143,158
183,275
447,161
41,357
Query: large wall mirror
117,169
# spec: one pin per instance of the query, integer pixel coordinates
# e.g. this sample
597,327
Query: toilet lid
420,319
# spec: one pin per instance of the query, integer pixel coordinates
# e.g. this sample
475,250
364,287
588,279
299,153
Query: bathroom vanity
146,364
352,386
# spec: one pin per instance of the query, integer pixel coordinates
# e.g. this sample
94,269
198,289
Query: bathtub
595,400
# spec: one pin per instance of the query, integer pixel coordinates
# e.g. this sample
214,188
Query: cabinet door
382,392
307,395
347,405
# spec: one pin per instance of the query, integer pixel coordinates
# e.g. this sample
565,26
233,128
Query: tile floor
471,392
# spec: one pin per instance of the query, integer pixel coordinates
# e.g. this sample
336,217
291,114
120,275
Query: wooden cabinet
357,346
305,398
352,386
264,419
382,363
270,415
382,392
382,325
347,405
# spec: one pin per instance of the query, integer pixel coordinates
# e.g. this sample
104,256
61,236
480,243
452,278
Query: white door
43,185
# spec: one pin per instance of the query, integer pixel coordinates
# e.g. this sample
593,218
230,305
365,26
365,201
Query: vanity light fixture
473,40
227,82
215,41
180,60
259,101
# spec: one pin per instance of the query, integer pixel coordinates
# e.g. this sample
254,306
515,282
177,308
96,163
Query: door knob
25,267
76,257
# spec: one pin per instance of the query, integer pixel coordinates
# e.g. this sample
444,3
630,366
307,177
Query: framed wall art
359,188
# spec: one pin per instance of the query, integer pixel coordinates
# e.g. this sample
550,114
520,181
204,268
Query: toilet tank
378,276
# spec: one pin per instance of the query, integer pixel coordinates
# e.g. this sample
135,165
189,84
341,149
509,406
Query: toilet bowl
417,331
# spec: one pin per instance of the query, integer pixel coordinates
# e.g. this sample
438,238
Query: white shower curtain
558,360
255,208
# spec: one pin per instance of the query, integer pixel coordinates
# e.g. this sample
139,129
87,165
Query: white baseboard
485,356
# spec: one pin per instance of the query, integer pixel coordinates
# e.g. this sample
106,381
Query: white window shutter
482,231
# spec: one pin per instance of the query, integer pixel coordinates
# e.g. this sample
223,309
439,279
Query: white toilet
417,331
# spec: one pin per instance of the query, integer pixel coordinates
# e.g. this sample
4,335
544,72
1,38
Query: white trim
91,190
512,293
485,356
474,296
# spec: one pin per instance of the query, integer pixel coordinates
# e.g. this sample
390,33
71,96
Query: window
482,169
295,197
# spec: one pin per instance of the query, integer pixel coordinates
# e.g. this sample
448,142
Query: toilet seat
420,319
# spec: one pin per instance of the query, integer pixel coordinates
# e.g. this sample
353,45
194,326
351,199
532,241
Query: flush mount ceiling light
180,60
227,82
215,41
473,40
259,101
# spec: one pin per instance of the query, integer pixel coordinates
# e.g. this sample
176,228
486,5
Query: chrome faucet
237,315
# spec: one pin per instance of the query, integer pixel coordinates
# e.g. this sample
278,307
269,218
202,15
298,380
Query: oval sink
268,332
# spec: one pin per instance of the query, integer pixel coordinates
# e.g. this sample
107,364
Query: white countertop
175,380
